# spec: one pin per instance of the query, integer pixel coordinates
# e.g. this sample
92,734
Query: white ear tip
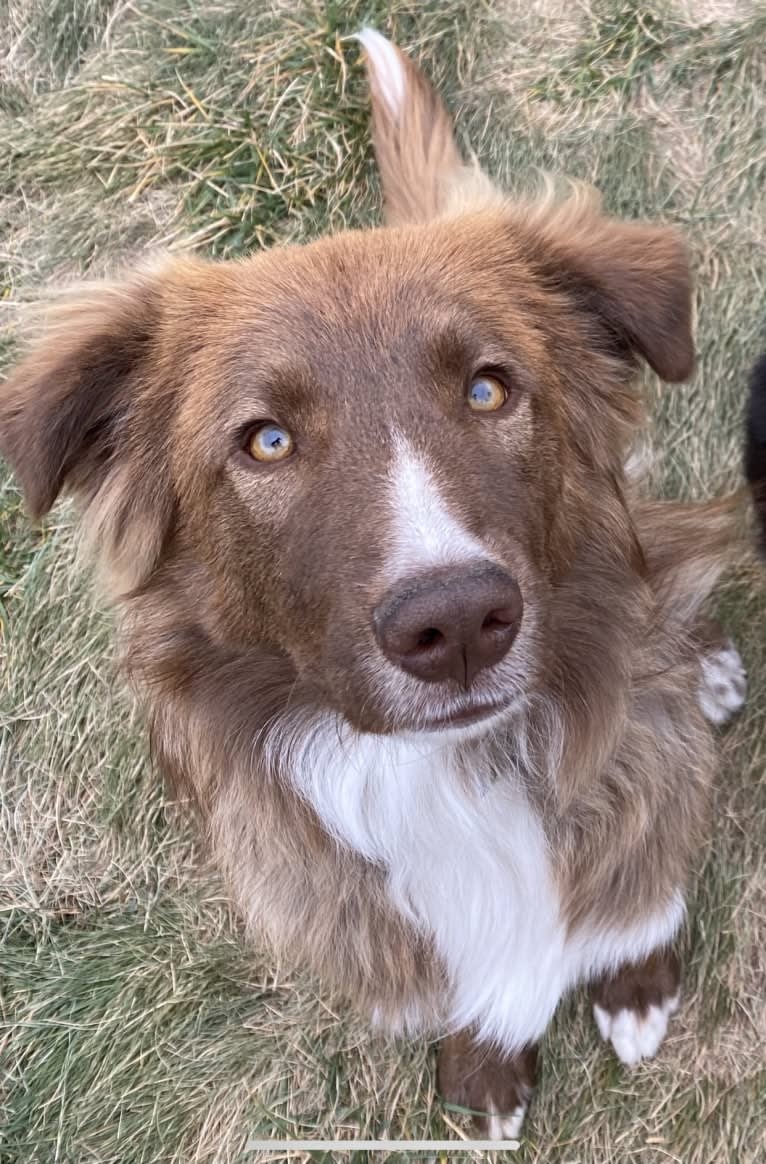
386,63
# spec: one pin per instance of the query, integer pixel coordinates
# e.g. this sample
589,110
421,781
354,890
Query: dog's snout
450,624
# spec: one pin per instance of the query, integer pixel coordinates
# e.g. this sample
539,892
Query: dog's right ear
70,421
421,171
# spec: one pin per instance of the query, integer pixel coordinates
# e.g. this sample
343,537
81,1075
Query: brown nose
449,624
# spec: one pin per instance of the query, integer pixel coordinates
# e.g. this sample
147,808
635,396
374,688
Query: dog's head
377,456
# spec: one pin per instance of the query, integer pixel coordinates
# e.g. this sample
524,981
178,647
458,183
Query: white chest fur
468,863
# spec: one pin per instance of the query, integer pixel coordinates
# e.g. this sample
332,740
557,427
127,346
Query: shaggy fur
442,881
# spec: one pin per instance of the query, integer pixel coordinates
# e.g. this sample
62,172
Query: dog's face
375,456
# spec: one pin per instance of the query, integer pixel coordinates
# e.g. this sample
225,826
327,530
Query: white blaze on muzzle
423,534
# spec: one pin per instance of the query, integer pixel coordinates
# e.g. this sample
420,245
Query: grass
135,1026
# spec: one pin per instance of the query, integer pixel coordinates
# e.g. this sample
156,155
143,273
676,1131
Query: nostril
429,638
499,620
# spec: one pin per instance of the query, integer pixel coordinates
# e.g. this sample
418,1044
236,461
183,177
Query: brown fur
650,983
244,603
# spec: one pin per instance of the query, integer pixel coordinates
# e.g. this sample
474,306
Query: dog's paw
496,1088
635,1034
723,683
505,1127
632,1006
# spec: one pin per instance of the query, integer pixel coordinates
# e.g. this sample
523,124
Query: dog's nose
450,624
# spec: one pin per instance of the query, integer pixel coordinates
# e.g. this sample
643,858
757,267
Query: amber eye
269,442
486,394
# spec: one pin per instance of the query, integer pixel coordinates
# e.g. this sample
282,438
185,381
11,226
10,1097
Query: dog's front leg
495,1087
632,1006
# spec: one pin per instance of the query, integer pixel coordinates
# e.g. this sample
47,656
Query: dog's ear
634,277
421,170
71,419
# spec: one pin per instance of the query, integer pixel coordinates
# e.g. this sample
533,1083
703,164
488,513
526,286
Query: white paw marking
639,463
723,685
633,1035
505,1127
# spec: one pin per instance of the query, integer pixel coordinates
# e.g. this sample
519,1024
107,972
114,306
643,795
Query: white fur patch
468,864
386,63
633,1035
724,684
424,533
409,1021
505,1127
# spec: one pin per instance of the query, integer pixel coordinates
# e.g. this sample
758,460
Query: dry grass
135,1026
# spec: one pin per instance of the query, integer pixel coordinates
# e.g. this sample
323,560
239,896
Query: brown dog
406,632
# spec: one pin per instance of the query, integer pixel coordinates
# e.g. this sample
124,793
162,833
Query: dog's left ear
633,277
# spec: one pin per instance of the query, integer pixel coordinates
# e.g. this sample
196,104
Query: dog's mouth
463,716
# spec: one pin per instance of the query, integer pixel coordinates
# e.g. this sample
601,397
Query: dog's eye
269,442
486,394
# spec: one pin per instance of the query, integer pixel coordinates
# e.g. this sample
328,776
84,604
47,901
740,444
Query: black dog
755,444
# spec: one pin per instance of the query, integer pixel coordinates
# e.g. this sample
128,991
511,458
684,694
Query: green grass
135,1025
